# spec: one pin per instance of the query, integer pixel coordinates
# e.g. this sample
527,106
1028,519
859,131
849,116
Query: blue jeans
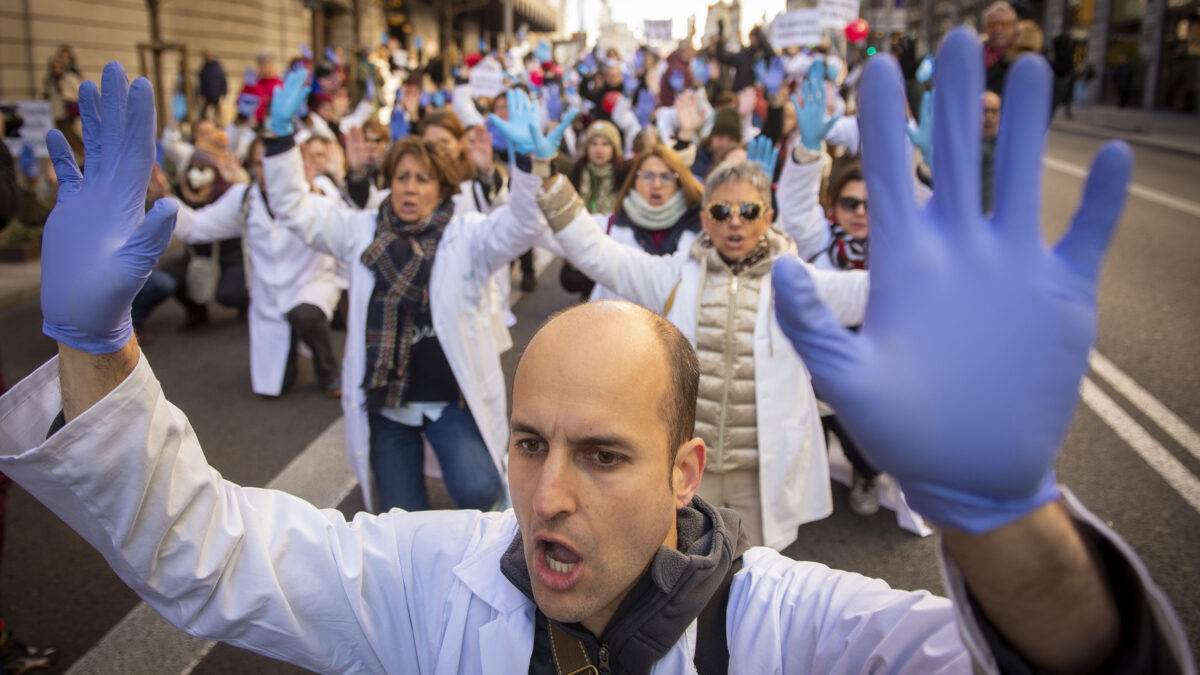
398,461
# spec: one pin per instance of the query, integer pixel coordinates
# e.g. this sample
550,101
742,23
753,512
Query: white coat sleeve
629,272
464,107
259,569
325,224
785,616
511,229
219,220
800,210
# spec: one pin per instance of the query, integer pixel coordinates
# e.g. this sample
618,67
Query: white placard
658,30
797,28
837,13
37,121
486,80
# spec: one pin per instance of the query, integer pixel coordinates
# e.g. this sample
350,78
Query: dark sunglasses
723,211
851,204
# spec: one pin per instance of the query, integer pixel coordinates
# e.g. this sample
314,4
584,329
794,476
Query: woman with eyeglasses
756,410
657,208
845,241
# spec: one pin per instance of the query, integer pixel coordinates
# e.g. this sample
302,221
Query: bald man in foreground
608,563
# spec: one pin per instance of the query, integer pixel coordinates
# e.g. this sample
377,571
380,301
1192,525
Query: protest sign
837,13
658,30
486,79
797,28
26,122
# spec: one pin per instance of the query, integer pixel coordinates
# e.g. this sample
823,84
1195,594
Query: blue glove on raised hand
677,80
306,52
645,106
700,70
249,77
100,244
922,136
542,52
770,75
27,163
764,153
439,99
554,104
247,105
814,125
417,43
965,375
631,84
332,56
925,70
286,102
522,131
179,106
369,90
424,100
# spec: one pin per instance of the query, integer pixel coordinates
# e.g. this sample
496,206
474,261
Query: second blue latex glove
922,136
286,102
810,117
644,109
964,377
764,153
770,75
100,244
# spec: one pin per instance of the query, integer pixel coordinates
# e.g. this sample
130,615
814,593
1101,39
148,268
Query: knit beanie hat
607,130
727,123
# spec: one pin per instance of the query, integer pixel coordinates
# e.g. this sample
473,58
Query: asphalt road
55,590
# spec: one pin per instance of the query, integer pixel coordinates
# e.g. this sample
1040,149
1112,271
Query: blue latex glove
554,104
286,102
700,70
482,47
247,105
417,43
922,137
810,117
306,52
644,109
639,60
439,99
590,62
522,130
398,124
100,244
764,153
499,140
542,52
27,163
964,377
179,106
249,77
383,38
925,70
677,80
770,75
332,56
816,72
369,90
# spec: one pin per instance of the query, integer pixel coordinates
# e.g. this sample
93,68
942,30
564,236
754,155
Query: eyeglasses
665,177
373,140
851,204
723,211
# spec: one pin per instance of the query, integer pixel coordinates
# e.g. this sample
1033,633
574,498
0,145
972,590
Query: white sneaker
864,496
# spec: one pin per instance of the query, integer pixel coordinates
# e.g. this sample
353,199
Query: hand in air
964,377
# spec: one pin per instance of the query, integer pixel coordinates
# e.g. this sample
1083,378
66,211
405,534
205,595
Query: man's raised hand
964,377
100,244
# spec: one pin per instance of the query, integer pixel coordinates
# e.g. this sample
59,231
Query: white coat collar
481,573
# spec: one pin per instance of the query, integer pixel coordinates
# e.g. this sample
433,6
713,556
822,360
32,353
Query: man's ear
687,471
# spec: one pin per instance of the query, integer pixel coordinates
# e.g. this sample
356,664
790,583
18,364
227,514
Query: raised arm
324,223
973,323
218,220
126,471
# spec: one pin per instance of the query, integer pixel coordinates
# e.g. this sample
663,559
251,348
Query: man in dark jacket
213,87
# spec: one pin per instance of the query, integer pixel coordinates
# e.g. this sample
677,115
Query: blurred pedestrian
213,87
1000,20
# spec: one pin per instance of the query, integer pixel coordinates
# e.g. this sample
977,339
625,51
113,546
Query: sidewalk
1165,131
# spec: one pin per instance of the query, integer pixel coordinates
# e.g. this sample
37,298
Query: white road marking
143,643
1145,401
1159,458
1149,194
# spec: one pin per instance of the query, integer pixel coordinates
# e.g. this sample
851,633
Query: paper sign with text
797,28
837,13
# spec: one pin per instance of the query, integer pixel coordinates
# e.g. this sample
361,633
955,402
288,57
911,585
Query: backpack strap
671,299
712,647
570,655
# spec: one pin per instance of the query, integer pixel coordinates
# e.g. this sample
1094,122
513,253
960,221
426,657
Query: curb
1131,138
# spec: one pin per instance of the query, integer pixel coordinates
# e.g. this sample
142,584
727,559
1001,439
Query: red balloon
857,30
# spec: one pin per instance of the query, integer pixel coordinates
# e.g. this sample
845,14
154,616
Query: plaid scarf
845,251
401,258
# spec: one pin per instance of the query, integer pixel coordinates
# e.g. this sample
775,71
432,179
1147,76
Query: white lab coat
473,247
418,592
623,234
283,273
793,469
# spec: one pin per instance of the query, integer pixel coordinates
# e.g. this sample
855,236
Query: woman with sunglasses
657,208
754,391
